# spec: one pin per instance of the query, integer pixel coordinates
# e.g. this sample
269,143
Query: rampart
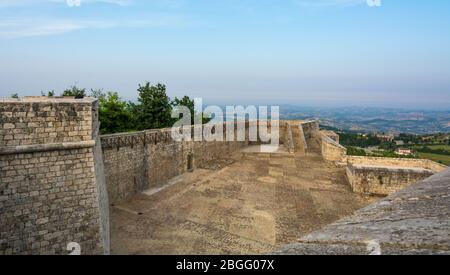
301,131
50,195
385,176
58,177
397,162
331,149
411,221
138,161
135,162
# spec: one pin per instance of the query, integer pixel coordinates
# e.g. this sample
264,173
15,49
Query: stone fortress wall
49,191
375,175
58,177
138,161
135,162
331,149
397,162
386,176
413,221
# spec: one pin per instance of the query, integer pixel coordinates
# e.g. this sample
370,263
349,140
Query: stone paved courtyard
252,206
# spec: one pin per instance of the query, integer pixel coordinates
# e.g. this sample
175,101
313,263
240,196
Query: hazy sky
319,52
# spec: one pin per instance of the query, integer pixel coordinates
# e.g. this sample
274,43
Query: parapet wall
310,128
48,186
137,161
383,181
385,176
412,221
331,149
301,131
397,162
289,139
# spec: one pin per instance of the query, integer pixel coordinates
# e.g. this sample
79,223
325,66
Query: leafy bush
75,92
152,111
352,151
357,140
427,149
114,114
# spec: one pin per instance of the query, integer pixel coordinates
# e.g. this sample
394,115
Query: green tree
358,140
97,93
48,93
75,92
154,108
188,102
388,146
352,151
114,114
185,101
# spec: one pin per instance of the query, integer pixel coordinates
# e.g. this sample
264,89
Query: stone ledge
23,149
351,249
44,99
396,162
394,169
412,221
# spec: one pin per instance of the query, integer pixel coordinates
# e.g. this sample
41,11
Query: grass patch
440,147
434,147
435,157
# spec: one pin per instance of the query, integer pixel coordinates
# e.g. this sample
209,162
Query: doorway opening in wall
190,163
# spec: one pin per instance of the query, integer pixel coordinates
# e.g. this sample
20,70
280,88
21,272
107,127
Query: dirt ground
251,206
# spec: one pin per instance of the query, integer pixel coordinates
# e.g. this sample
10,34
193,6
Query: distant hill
387,120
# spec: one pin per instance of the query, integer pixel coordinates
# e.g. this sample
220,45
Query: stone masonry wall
310,128
413,221
36,122
383,181
332,150
385,176
397,162
137,161
48,192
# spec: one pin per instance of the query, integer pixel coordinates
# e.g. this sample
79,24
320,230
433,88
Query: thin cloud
33,24
21,28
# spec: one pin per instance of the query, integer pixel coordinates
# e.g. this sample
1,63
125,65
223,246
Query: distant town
384,132
434,147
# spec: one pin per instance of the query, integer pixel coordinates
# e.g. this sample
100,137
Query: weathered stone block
37,192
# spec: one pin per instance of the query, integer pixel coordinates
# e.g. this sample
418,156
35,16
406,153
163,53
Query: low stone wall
383,181
397,162
385,176
331,135
135,162
412,221
310,128
49,191
331,150
300,140
138,161
289,142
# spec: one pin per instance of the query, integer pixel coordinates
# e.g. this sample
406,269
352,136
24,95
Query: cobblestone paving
252,206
